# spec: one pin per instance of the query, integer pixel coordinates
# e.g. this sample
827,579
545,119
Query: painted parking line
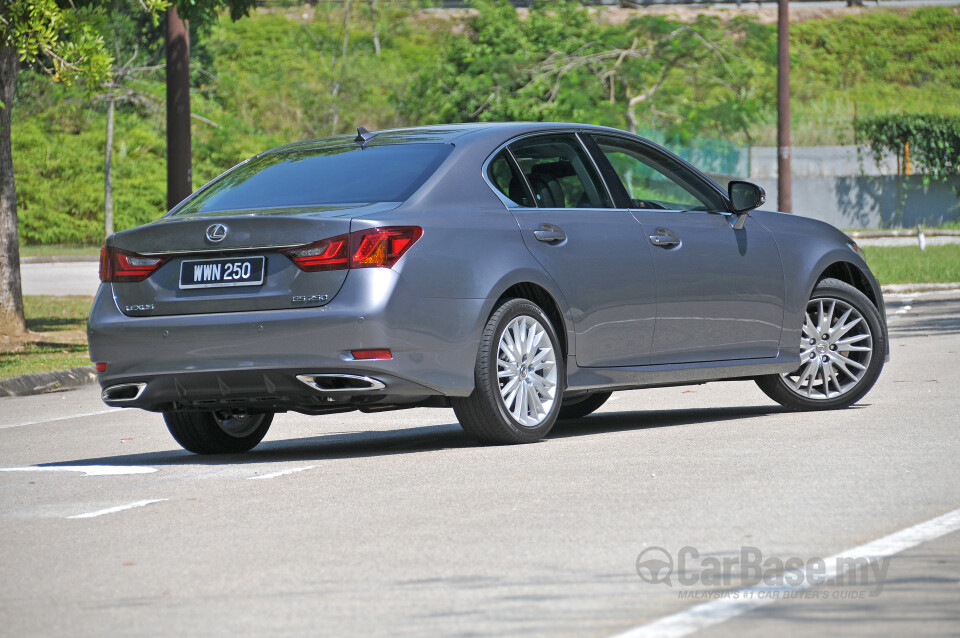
60,418
740,601
280,473
87,470
118,508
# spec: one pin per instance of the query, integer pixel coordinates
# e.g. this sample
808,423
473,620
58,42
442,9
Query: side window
504,176
655,181
560,173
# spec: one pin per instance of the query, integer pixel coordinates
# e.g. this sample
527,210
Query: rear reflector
372,354
371,248
101,367
118,265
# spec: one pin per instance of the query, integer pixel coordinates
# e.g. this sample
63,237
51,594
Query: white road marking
88,470
904,310
59,418
118,508
721,610
280,473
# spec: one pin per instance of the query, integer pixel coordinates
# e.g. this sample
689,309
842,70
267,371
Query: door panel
605,270
598,255
719,290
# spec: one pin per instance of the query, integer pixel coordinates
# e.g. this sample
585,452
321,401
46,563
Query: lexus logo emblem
216,232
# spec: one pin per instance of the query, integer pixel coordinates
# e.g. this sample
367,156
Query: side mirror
745,196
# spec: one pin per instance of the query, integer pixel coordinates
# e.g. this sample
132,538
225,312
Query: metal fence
712,156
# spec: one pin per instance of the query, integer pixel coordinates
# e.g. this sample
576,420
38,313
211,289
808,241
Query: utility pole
784,197
179,154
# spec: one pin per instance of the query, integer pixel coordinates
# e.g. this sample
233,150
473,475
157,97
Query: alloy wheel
527,371
836,346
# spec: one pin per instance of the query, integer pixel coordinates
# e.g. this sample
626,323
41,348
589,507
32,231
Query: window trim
576,134
515,167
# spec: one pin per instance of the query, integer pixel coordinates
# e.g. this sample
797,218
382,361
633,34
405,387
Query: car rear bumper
230,356
311,390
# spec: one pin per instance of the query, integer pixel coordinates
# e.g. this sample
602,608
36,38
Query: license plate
220,273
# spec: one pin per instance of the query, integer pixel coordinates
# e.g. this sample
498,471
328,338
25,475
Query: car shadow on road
431,438
647,419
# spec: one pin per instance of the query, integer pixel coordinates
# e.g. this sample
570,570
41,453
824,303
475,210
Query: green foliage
561,64
877,63
282,76
934,140
58,163
63,41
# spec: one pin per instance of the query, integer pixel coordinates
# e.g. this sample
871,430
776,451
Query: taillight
378,353
371,248
120,266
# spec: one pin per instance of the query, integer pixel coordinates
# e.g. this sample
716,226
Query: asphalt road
60,278
397,524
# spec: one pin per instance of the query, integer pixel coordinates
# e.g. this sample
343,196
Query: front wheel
217,432
519,377
842,348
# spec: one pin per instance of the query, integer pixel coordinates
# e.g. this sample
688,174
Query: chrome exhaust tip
123,392
340,382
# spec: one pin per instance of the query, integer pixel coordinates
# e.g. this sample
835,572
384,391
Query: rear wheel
217,432
519,377
842,348
582,406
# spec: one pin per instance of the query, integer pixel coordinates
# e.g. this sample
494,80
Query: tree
129,39
63,41
203,14
561,64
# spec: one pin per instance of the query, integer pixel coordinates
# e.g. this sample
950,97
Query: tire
836,371
581,407
212,433
523,407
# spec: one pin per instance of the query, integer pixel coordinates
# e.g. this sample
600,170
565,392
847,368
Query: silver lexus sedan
516,272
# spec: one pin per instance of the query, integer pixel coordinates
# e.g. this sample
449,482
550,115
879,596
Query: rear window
345,175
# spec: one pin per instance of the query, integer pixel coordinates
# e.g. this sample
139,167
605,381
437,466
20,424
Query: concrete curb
41,382
906,232
897,289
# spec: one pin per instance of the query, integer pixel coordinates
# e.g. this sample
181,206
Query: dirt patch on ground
68,338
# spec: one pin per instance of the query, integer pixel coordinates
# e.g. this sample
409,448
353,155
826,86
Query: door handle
549,234
664,238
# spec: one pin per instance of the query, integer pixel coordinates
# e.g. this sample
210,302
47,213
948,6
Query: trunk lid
195,276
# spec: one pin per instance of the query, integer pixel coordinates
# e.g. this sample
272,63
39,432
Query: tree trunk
631,118
376,26
345,47
108,174
11,296
179,154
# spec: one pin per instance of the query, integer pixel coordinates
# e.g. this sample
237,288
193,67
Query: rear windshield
345,175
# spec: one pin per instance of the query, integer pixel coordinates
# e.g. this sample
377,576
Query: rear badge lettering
139,307
309,299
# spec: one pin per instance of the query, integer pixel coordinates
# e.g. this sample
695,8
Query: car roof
439,133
